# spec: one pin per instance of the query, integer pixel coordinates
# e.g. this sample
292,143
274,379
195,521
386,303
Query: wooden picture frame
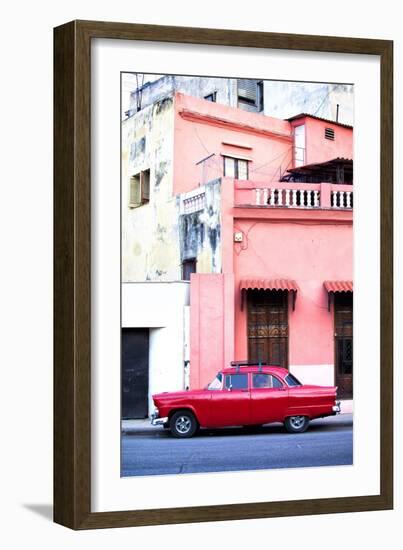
72,271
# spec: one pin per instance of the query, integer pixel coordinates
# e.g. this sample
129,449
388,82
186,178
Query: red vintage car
245,395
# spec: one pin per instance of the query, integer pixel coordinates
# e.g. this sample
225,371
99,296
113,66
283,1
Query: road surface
153,451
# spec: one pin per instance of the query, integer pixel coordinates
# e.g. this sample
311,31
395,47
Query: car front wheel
296,424
183,424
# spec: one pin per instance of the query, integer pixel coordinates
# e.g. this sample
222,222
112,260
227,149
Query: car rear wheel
296,424
183,424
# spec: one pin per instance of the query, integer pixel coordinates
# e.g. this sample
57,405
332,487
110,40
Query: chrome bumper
336,408
157,421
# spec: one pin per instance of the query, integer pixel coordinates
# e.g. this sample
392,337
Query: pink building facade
237,244
283,294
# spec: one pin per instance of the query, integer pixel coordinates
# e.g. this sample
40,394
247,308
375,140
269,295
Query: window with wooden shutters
250,94
242,169
145,186
236,168
229,167
139,193
247,91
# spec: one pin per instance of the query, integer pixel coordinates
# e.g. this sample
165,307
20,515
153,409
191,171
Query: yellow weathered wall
150,242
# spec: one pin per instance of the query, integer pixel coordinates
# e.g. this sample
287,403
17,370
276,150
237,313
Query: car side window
216,384
236,381
292,381
262,380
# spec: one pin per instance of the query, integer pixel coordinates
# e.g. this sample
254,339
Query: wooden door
343,321
268,327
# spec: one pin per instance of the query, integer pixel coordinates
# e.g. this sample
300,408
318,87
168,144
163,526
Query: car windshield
292,381
216,384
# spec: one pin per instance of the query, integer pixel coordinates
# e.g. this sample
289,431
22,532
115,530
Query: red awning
338,286
268,284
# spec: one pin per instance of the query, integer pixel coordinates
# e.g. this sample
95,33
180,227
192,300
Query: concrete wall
151,92
318,148
203,128
211,326
287,99
200,231
308,253
162,308
281,99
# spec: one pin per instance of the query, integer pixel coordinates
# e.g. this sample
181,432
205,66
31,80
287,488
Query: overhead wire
256,170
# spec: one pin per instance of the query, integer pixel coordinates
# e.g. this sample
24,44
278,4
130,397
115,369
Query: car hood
177,394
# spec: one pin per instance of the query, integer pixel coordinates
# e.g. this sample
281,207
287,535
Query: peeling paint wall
286,99
225,89
200,232
150,242
157,237
281,99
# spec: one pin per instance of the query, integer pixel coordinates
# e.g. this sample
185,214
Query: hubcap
297,421
183,424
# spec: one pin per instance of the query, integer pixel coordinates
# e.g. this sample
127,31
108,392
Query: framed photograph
223,275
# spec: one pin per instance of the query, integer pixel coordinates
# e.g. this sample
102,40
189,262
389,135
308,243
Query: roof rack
248,363
239,364
260,364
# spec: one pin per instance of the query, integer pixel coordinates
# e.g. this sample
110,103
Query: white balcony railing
341,199
293,198
193,201
294,195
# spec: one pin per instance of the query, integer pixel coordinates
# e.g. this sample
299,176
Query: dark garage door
135,343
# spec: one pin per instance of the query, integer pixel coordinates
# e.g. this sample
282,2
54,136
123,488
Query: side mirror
229,387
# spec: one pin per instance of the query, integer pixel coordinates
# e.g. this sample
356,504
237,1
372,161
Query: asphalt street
327,442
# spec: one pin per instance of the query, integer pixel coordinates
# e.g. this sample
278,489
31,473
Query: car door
269,399
231,405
